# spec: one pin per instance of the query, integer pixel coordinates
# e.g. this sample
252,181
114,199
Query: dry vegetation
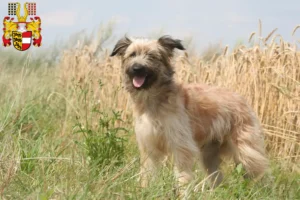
267,74
41,105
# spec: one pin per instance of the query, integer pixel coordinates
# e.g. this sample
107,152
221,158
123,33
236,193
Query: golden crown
22,18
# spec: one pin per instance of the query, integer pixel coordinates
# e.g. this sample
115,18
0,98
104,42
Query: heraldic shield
22,40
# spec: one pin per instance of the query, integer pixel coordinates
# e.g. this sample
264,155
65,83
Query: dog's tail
250,151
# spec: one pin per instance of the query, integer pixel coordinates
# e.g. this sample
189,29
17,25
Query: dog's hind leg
210,157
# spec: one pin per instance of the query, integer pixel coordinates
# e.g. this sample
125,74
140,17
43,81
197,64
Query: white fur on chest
174,130
151,127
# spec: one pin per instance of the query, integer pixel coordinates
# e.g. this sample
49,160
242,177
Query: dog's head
146,63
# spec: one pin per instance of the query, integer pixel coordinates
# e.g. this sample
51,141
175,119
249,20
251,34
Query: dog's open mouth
139,81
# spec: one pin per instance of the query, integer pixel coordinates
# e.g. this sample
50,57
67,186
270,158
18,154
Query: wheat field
66,127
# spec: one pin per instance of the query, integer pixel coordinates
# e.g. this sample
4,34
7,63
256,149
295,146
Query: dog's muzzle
139,75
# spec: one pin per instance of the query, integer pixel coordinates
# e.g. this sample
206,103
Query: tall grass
66,128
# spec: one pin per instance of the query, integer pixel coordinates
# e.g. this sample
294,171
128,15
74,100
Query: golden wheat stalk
295,29
251,36
225,50
270,34
259,28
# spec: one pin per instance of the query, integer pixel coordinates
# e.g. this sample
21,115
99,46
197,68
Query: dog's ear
121,46
170,44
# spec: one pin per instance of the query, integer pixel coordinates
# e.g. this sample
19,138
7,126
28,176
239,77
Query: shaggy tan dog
187,121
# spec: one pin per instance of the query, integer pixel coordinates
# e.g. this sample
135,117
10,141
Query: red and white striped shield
22,41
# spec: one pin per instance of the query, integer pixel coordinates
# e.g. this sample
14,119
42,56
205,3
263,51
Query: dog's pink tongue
138,81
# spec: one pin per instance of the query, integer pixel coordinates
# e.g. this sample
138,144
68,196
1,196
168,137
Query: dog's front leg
183,169
151,149
184,160
182,146
151,160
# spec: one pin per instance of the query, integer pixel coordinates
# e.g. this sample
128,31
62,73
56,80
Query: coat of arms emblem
22,33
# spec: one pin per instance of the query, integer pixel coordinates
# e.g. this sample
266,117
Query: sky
206,22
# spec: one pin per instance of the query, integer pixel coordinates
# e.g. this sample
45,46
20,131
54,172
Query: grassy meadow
66,126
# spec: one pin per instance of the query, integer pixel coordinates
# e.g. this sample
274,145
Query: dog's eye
133,54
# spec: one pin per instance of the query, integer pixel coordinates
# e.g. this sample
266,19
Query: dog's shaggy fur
187,121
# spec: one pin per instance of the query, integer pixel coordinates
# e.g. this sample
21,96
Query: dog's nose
137,68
